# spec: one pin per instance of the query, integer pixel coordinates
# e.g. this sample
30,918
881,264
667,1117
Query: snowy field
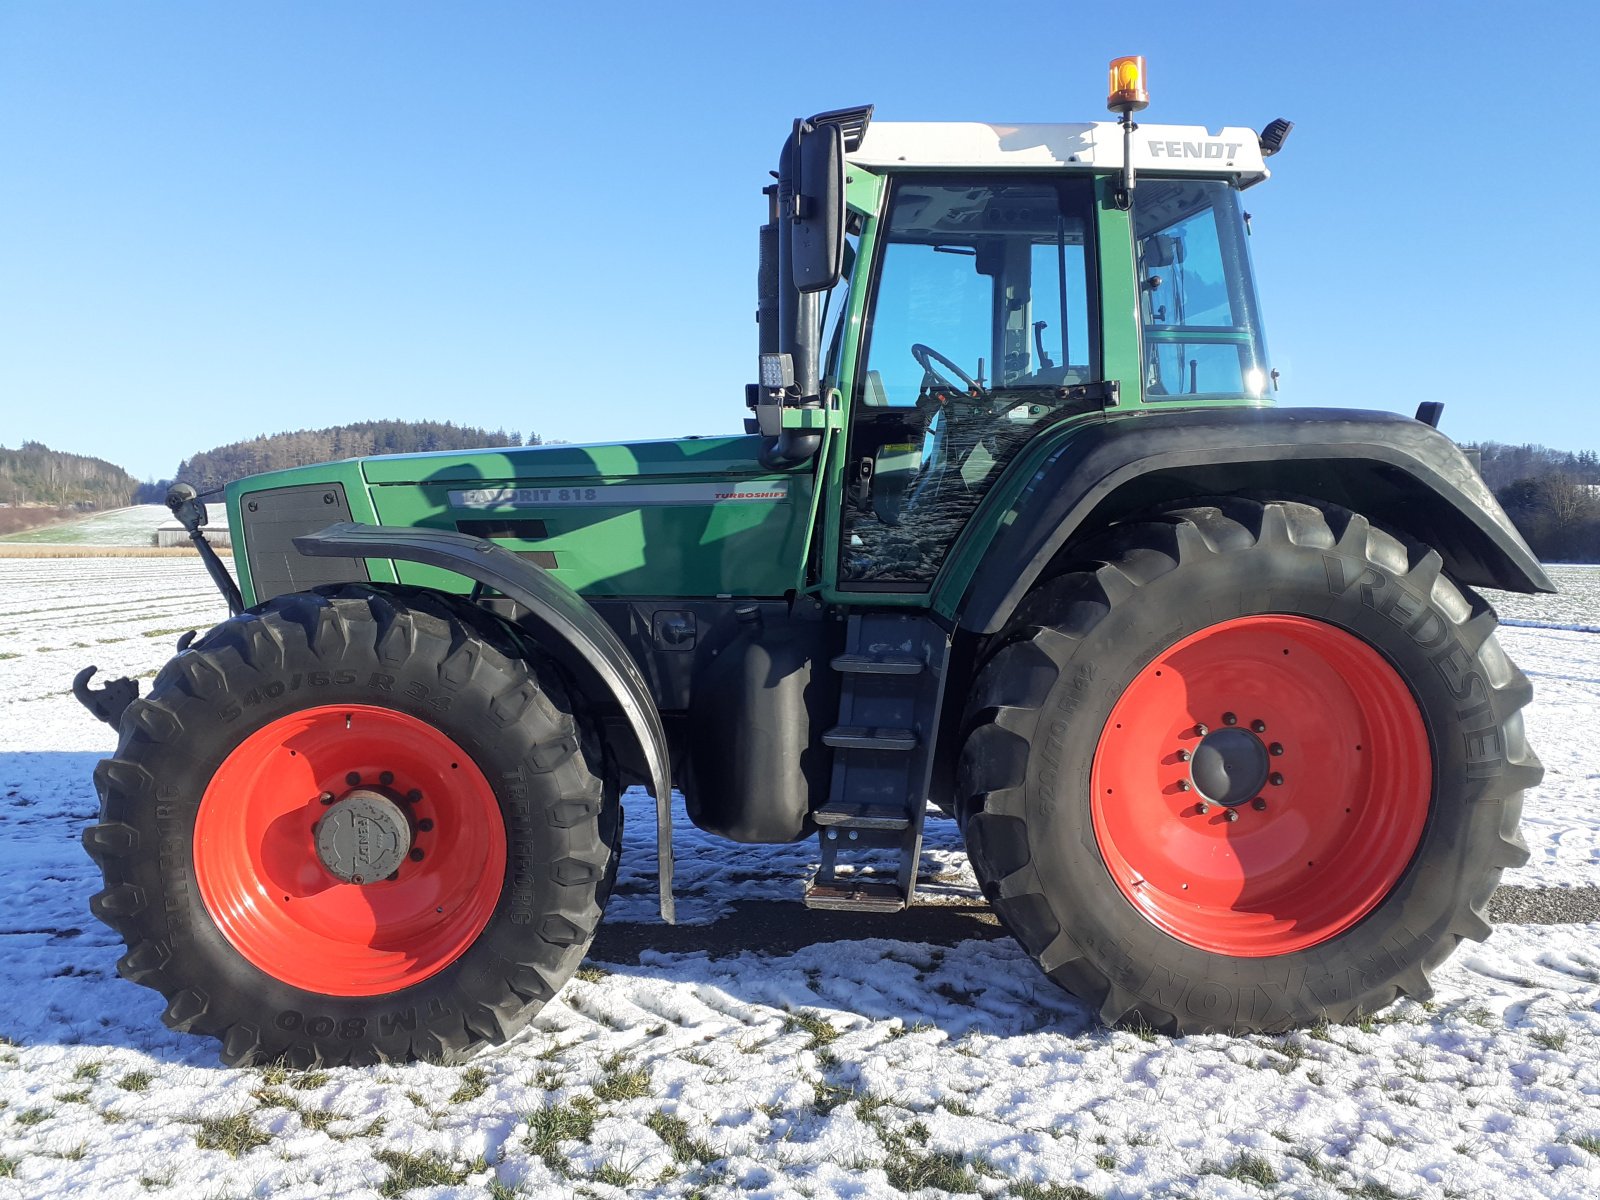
132,526
864,1067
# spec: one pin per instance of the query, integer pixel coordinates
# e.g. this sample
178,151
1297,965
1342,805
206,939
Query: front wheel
355,826
1249,767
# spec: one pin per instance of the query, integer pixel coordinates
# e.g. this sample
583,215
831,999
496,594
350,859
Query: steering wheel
926,356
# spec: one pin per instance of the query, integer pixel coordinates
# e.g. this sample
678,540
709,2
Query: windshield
1202,337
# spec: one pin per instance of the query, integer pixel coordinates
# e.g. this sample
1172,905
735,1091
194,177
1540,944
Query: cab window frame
1077,196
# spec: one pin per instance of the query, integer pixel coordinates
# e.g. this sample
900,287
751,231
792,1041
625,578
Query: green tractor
1014,529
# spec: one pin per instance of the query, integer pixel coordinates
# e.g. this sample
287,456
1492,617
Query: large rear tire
1245,767
354,826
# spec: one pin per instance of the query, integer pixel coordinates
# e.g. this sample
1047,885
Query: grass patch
1312,1162
911,1170
32,1116
1589,1142
8,1167
616,1176
1246,1168
136,1081
591,974
619,1084
474,1083
1555,1039
87,1071
1373,1190
75,1097
234,1135
549,1127
278,1075
1026,1190
822,1033
407,1171
674,1132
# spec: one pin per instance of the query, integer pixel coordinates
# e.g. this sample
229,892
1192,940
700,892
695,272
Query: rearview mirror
816,239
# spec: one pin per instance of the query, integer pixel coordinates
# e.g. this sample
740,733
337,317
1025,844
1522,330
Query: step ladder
891,687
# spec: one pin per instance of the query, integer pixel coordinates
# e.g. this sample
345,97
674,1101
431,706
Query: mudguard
571,632
1397,471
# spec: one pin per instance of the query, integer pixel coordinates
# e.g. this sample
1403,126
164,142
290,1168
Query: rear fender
569,630
1401,473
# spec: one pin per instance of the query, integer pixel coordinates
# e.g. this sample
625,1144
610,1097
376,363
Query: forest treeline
34,475
302,447
1552,495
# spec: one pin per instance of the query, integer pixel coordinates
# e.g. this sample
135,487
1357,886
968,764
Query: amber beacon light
1127,92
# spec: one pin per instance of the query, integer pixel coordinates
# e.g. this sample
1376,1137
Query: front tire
354,826
1245,767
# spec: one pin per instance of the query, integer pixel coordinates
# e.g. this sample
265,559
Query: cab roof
1093,146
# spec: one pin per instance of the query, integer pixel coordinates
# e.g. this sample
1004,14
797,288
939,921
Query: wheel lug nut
386,778
1259,726
326,797
1275,749
424,825
416,856
1183,785
1259,804
1201,731
392,876
413,796
353,778
1275,779
1229,719
1183,756
1233,814
1202,808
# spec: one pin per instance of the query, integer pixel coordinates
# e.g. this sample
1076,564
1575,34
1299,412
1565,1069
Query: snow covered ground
134,526
846,1068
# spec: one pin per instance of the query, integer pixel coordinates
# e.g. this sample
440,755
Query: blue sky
225,219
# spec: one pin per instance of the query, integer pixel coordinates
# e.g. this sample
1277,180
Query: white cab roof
1096,145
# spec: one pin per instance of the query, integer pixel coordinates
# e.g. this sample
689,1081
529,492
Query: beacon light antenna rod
1126,96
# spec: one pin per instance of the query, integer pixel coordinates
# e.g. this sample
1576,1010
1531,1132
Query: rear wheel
1248,767
355,826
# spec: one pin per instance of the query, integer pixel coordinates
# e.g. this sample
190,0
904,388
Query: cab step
878,664
869,737
856,896
862,816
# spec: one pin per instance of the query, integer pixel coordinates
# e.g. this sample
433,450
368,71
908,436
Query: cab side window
982,316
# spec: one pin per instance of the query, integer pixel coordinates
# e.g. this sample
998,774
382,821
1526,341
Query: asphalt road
778,927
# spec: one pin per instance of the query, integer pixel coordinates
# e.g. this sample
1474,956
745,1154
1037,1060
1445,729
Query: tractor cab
934,296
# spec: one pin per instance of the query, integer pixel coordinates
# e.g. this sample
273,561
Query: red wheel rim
263,883
1253,870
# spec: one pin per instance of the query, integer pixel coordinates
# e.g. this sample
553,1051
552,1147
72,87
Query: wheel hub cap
364,837
1229,767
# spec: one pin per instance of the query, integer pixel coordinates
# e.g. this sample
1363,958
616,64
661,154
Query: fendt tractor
1014,529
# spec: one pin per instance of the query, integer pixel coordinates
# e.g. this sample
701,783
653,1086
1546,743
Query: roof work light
1127,92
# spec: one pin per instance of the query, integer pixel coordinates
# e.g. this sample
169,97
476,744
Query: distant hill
273,452
35,475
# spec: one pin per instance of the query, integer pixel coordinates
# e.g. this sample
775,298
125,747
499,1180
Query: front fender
1400,472
570,631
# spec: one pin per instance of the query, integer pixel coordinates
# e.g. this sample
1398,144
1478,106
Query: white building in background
170,533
